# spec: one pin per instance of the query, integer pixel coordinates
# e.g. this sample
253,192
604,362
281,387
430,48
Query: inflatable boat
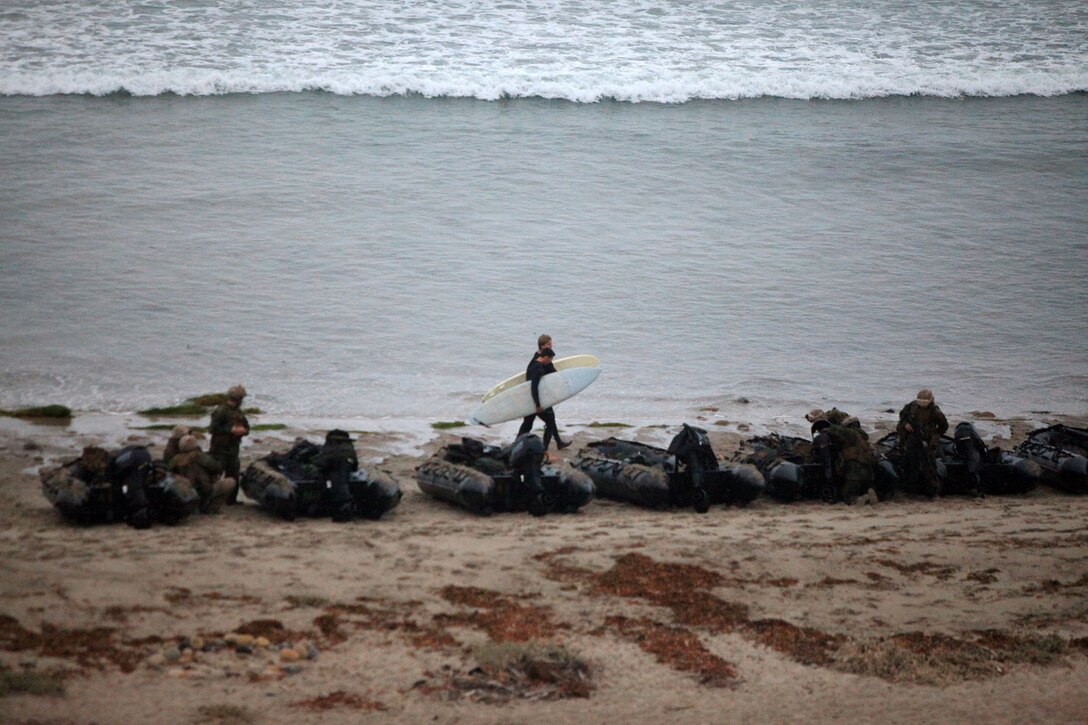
686,474
488,479
290,485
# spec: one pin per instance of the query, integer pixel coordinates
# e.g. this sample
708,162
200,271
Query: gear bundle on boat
320,480
966,466
487,479
686,474
797,468
125,485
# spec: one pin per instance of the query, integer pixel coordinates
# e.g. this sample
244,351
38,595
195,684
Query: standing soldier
228,427
203,472
921,424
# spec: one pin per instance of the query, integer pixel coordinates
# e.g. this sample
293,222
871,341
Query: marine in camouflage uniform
851,460
171,450
833,416
921,424
228,426
203,472
336,462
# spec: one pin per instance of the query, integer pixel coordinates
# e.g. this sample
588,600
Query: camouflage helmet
236,392
814,415
852,422
179,430
95,459
188,443
336,435
924,398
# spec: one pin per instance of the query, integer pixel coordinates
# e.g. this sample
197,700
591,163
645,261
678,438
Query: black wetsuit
534,372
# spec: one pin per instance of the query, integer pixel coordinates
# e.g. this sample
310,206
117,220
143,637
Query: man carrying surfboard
540,366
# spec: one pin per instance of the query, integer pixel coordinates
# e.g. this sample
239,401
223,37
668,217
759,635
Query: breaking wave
629,50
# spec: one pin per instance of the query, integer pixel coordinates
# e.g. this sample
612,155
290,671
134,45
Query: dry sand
907,611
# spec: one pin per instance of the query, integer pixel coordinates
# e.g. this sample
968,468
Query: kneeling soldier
204,472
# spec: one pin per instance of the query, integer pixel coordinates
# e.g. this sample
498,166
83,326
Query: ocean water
371,212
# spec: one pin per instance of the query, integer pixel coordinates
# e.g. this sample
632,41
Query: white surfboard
560,363
517,401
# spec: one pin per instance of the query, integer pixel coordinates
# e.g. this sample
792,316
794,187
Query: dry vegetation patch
90,648
340,698
497,614
508,671
676,647
939,659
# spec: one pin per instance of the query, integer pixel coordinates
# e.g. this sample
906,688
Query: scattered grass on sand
606,424
30,683
447,424
226,714
55,412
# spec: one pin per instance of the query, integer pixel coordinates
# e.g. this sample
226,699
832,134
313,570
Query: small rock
312,651
171,654
743,427
31,446
177,673
186,657
243,649
197,643
261,642
246,639
230,637
156,660
290,655
214,645
743,401
291,669
721,422
185,644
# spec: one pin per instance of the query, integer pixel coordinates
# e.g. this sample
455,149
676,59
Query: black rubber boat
290,485
488,479
688,473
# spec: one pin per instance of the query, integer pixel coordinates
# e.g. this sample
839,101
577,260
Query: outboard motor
337,461
691,446
526,457
128,469
971,449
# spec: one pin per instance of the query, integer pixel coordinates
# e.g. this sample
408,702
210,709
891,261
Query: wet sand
906,611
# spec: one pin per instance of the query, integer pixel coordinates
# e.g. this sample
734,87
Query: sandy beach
908,611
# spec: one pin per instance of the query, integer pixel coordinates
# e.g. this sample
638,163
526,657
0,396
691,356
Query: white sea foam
582,52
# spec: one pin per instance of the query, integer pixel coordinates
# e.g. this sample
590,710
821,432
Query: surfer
540,366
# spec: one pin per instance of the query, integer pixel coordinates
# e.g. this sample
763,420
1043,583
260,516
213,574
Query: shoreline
908,610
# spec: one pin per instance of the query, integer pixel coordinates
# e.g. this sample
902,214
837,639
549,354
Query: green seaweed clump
43,411
183,409
598,424
447,424
196,405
